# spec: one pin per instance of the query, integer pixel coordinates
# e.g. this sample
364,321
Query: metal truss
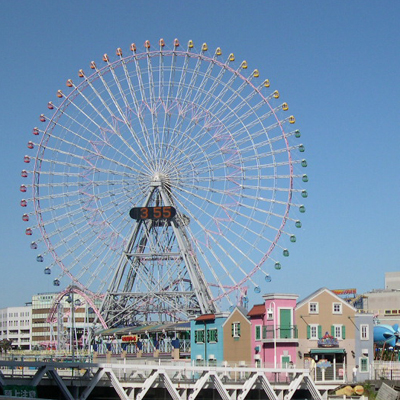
182,382
158,276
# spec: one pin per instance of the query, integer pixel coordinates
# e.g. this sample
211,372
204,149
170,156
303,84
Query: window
313,308
364,332
199,336
236,329
337,308
338,331
212,335
364,364
314,331
258,332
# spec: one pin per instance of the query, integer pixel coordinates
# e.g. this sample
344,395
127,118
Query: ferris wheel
162,182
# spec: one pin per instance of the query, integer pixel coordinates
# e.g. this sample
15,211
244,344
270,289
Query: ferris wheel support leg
120,270
197,278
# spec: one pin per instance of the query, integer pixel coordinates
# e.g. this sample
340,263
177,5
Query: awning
328,351
167,327
206,317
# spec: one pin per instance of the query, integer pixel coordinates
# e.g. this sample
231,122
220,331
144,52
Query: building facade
72,320
327,335
237,338
206,339
15,325
384,304
364,346
41,330
274,332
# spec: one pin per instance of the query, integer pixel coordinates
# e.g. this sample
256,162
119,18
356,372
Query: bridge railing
146,346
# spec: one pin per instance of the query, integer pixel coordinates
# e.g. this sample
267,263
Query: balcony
279,333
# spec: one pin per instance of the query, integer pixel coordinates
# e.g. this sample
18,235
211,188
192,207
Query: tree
5,345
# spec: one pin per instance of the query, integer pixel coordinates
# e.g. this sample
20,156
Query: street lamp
72,303
273,312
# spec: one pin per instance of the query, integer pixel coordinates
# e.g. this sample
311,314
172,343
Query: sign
154,213
340,292
328,341
324,364
29,392
129,338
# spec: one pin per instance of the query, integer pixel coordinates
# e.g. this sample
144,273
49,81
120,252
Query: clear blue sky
335,63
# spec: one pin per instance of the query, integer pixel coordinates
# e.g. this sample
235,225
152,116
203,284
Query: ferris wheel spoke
245,273
223,110
185,146
233,212
93,265
113,116
182,78
95,145
88,183
86,248
210,237
89,160
201,88
153,108
127,106
191,85
226,87
165,132
137,108
144,102
103,264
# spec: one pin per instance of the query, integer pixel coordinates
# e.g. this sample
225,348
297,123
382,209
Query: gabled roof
258,309
317,293
241,310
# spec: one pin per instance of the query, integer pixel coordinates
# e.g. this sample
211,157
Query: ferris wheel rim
95,75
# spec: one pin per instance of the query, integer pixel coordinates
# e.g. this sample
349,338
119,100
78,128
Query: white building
15,325
384,304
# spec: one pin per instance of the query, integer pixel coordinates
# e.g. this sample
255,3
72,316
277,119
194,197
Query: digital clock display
154,213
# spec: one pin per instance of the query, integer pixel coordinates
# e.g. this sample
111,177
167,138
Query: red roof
205,317
258,309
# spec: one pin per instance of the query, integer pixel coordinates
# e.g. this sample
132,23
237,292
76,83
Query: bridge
136,381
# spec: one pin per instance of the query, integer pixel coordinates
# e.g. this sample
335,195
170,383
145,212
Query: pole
272,302
72,325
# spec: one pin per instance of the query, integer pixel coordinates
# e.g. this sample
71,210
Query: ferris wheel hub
159,177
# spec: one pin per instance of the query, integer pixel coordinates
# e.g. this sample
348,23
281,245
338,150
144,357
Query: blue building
364,345
207,345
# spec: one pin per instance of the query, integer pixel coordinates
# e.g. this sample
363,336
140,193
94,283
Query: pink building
274,332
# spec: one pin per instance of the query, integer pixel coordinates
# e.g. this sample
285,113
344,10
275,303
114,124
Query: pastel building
206,339
328,333
363,353
237,338
221,339
274,336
